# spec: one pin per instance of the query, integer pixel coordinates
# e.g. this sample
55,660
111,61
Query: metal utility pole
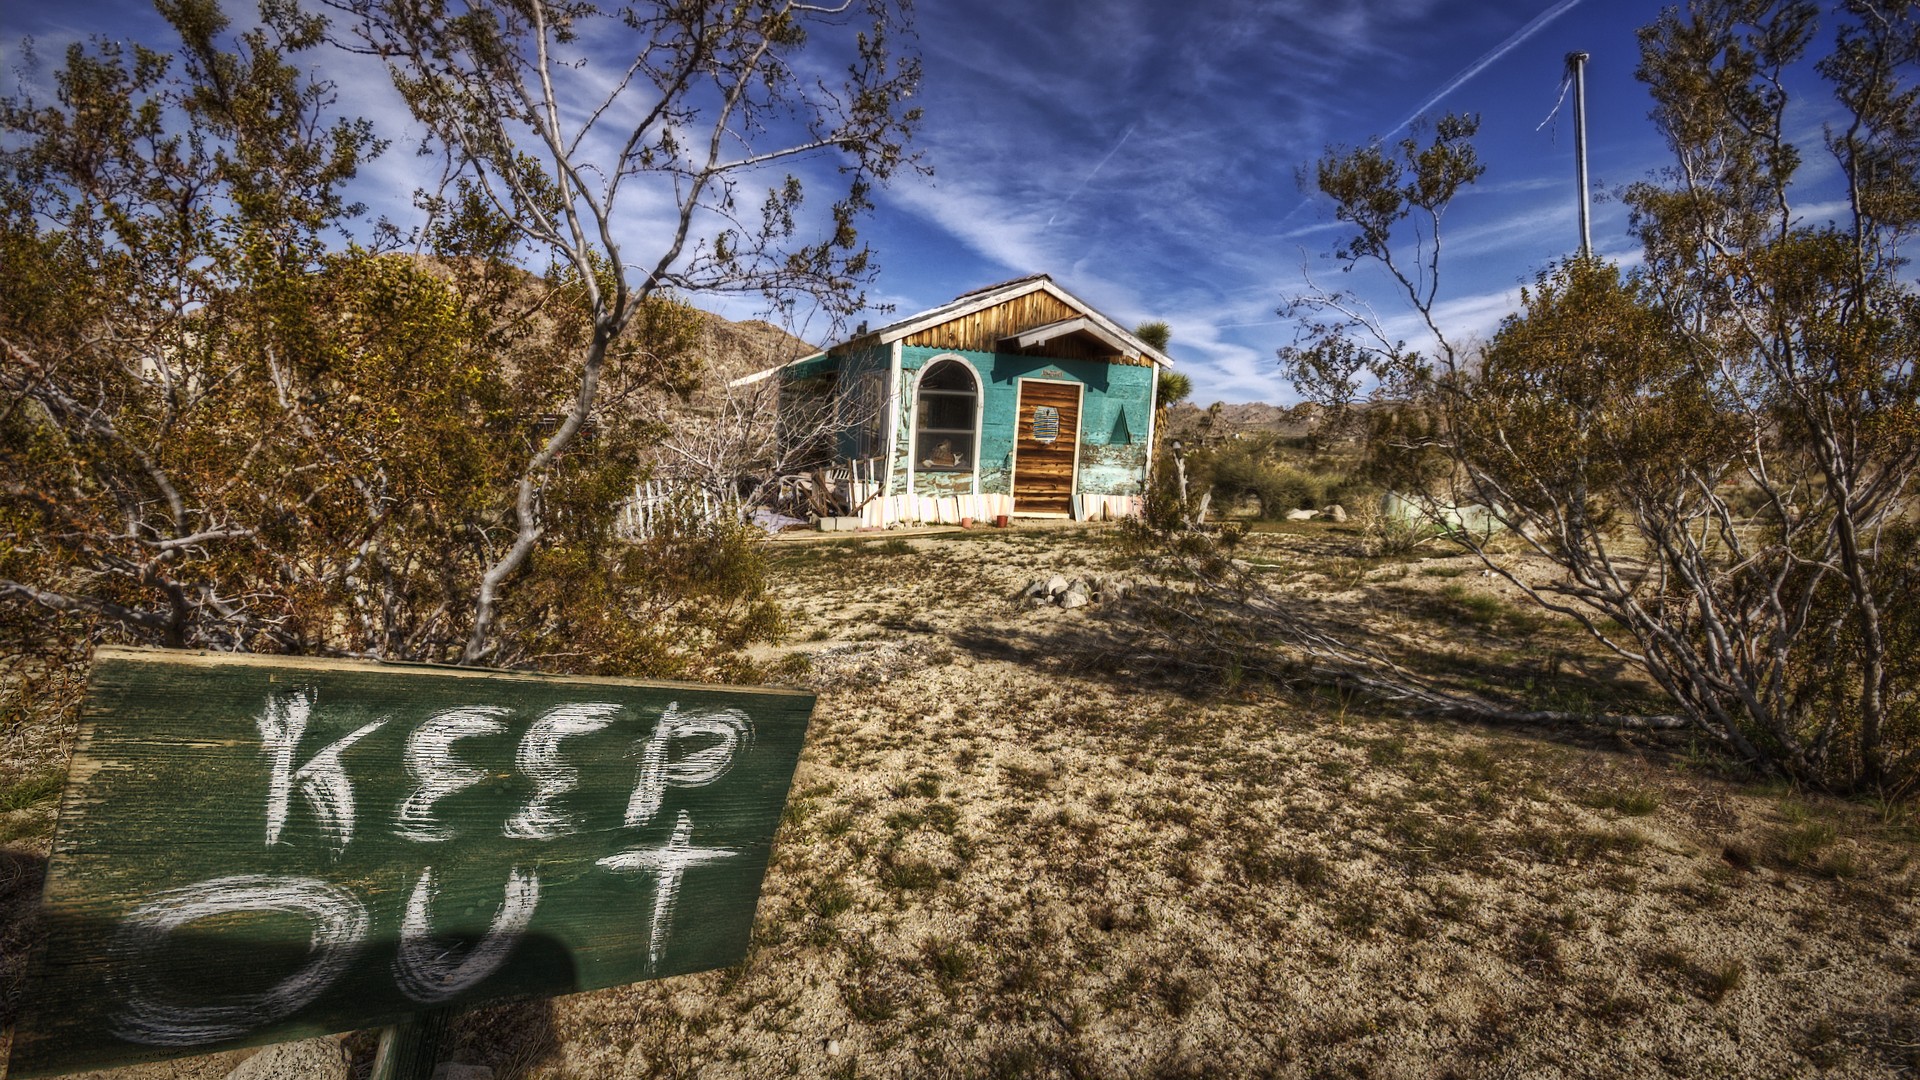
1577,70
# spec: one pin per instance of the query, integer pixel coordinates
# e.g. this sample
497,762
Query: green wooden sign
255,849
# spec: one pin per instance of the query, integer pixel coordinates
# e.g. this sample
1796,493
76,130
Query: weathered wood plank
254,849
1043,468
980,330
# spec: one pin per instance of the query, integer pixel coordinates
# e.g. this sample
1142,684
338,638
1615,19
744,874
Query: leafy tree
1391,198
1718,452
1174,386
152,215
1255,467
218,430
1156,334
706,96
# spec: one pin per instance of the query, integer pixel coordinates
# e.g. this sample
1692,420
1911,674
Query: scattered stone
1302,515
308,1059
1337,514
1073,592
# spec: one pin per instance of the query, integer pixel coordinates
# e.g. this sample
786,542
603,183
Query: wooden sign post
256,849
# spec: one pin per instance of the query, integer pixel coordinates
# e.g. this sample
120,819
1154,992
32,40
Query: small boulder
308,1059
1337,514
1073,598
1302,515
1056,585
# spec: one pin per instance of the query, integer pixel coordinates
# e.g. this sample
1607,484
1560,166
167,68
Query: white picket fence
857,485
657,502
860,482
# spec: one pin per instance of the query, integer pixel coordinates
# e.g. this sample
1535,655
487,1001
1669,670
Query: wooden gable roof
1030,314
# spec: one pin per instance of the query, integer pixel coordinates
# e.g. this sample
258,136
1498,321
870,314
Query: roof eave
971,303
1053,331
766,373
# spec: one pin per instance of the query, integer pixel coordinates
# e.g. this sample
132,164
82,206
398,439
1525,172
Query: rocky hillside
1220,420
733,349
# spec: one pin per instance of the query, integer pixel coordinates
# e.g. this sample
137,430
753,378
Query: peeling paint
1115,418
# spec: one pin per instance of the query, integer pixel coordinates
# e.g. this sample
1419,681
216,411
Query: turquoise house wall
845,369
853,366
1115,411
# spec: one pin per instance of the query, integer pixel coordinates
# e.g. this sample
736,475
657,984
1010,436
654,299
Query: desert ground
1021,843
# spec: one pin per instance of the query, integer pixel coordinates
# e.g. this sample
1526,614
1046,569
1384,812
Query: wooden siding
1043,471
983,330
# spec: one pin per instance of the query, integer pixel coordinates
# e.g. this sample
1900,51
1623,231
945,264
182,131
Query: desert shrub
1718,447
1390,535
1260,469
681,603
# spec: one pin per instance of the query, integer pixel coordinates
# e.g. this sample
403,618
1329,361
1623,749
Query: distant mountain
1222,420
715,431
733,349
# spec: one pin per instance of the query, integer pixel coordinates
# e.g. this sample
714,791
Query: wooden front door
1046,447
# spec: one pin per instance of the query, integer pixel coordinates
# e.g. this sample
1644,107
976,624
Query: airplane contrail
1088,179
1515,40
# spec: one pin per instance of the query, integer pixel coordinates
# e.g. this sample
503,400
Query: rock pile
1335,513
1073,593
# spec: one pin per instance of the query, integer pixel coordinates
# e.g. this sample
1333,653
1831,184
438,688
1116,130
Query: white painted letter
730,727
154,1017
435,773
322,780
669,864
429,971
539,757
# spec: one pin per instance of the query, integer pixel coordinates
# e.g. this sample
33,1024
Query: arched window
943,418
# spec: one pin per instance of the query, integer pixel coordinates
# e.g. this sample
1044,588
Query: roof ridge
1000,285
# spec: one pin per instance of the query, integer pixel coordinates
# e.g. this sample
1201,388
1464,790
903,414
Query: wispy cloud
1007,233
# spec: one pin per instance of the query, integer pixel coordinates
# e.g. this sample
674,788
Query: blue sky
1145,153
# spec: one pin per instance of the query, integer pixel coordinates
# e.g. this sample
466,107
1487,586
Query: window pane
947,375
943,417
943,452
950,411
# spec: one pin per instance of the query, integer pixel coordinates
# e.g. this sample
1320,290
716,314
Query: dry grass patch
1005,859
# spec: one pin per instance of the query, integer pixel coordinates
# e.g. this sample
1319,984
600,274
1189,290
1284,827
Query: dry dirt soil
1015,849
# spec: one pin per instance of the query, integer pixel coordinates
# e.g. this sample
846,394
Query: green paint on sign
255,849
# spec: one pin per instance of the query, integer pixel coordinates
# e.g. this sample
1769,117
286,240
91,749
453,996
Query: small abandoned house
1018,399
